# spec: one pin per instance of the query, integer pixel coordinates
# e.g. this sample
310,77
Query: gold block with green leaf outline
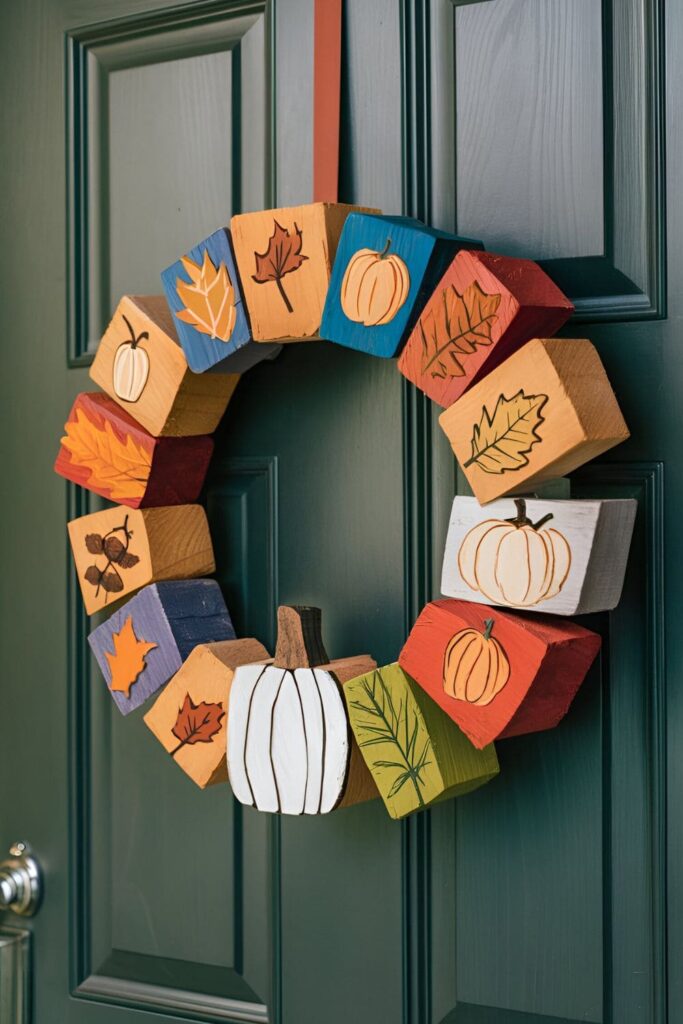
416,753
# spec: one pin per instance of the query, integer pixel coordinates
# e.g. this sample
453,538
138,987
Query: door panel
536,126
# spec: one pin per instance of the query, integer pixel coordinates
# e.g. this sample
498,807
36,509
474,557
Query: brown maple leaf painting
282,256
196,723
127,661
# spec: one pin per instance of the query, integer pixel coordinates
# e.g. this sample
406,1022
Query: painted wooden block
482,310
385,270
118,550
140,364
205,294
558,557
413,750
289,747
105,450
542,413
190,717
285,259
495,673
143,643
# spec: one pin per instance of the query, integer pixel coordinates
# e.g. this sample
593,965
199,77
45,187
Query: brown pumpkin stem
134,342
385,250
522,519
489,628
299,638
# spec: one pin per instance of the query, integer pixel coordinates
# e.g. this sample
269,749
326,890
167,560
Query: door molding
92,54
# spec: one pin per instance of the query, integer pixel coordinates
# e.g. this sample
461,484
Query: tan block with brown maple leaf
542,413
285,258
118,550
483,309
190,717
140,364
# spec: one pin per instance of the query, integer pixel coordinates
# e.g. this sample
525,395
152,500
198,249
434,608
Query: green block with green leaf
416,753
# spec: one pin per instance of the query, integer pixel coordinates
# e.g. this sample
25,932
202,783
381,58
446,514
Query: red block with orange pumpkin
497,674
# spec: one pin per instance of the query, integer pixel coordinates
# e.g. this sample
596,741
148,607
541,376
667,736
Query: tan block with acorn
140,364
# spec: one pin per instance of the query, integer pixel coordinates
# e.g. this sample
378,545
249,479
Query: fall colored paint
282,256
209,298
128,658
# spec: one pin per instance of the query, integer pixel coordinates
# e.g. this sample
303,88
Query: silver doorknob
21,887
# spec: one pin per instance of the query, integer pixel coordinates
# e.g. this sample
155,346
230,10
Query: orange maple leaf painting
128,659
209,298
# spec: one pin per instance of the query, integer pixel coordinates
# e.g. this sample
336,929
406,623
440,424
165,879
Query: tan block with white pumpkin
561,557
140,364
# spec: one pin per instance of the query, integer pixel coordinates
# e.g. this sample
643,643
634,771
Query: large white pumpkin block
561,557
290,748
288,741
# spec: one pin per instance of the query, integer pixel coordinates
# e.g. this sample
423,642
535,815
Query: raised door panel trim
240,29
632,749
627,280
245,491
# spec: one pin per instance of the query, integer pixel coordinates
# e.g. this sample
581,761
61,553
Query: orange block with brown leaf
285,259
483,309
107,451
190,717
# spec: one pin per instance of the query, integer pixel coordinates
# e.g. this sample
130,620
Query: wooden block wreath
118,550
541,414
140,364
105,450
494,673
483,308
298,733
144,643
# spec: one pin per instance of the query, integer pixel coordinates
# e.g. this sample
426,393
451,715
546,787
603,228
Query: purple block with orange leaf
146,641
204,292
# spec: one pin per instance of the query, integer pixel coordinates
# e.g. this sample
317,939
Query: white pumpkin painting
563,557
131,366
288,739
514,561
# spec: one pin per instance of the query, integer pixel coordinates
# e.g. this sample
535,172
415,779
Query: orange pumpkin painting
375,286
514,561
475,666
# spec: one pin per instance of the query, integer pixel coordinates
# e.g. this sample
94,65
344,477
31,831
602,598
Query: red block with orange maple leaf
483,309
146,641
105,450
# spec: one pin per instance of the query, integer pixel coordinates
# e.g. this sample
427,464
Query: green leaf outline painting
391,727
501,442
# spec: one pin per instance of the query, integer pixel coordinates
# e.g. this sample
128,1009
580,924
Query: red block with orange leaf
495,673
483,309
107,451
147,640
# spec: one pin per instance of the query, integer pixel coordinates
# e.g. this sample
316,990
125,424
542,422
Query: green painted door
555,894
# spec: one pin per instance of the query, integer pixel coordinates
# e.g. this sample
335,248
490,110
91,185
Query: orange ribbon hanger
327,40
